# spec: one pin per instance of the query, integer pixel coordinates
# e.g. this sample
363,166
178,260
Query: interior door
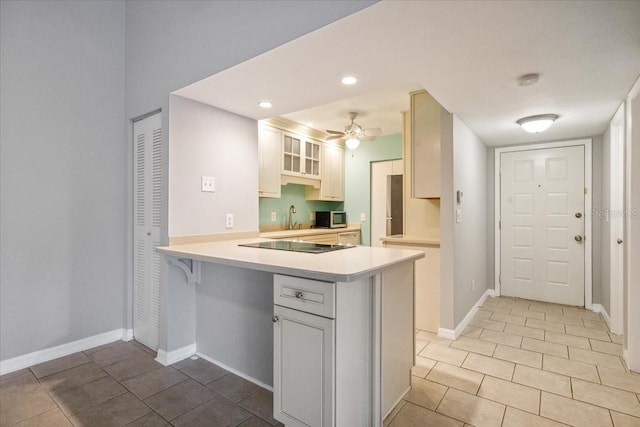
147,210
542,224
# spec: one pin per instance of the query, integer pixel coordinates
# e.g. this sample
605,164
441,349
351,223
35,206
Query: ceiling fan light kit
354,133
352,143
537,124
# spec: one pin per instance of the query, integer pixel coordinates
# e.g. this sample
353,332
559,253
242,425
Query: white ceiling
468,55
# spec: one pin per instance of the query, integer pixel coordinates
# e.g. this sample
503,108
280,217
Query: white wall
63,191
207,141
470,235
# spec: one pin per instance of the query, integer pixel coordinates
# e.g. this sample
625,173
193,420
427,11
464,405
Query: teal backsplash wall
357,172
357,180
292,194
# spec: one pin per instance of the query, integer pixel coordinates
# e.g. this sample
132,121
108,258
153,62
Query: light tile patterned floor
522,363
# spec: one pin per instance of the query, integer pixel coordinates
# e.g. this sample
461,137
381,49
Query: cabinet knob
275,318
619,241
299,294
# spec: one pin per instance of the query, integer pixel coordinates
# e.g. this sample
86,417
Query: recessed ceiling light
536,124
349,80
265,104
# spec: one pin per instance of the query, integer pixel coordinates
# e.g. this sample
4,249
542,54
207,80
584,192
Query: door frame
617,188
588,173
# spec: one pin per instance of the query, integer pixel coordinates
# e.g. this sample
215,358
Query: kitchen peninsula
332,332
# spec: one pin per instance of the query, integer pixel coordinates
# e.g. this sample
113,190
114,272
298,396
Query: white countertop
407,239
343,265
280,234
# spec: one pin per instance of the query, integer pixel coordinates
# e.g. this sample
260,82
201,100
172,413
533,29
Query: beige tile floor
121,384
522,363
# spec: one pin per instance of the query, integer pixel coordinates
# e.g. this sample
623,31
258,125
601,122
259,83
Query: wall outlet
273,216
458,215
208,184
473,285
363,216
312,216
228,221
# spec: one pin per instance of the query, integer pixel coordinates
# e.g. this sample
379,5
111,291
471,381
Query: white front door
542,213
147,213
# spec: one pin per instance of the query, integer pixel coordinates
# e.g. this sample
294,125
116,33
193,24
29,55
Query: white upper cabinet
269,151
300,156
332,185
429,123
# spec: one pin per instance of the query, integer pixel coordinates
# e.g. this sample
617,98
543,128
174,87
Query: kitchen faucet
292,210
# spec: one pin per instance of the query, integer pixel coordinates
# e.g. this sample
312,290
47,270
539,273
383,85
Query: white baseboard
41,356
171,357
127,334
453,334
598,308
238,373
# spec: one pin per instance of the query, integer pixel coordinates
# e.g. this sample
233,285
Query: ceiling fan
354,132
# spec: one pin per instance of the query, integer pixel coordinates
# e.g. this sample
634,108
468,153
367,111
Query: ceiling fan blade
332,137
368,138
371,132
335,132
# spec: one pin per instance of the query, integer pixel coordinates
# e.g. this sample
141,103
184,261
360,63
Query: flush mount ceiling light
265,104
528,79
352,143
536,124
349,80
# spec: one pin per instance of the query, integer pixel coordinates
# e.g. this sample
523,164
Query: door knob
275,318
578,215
619,241
578,238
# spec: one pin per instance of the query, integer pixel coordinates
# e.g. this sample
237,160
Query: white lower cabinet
303,368
325,353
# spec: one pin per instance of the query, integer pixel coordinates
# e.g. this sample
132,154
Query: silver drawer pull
298,294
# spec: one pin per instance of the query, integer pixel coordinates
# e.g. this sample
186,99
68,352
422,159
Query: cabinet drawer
311,296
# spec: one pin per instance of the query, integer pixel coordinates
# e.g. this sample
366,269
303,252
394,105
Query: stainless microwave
331,219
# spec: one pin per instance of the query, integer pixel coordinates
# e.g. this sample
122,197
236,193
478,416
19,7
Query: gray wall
66,145
470,235
63,188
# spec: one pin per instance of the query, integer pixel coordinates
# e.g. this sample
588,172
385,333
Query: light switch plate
363,216
208,184
229,221
273,216
458,215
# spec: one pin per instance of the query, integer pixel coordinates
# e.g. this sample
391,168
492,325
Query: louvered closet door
147,216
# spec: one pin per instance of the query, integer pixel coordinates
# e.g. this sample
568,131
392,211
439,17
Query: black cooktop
288,245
